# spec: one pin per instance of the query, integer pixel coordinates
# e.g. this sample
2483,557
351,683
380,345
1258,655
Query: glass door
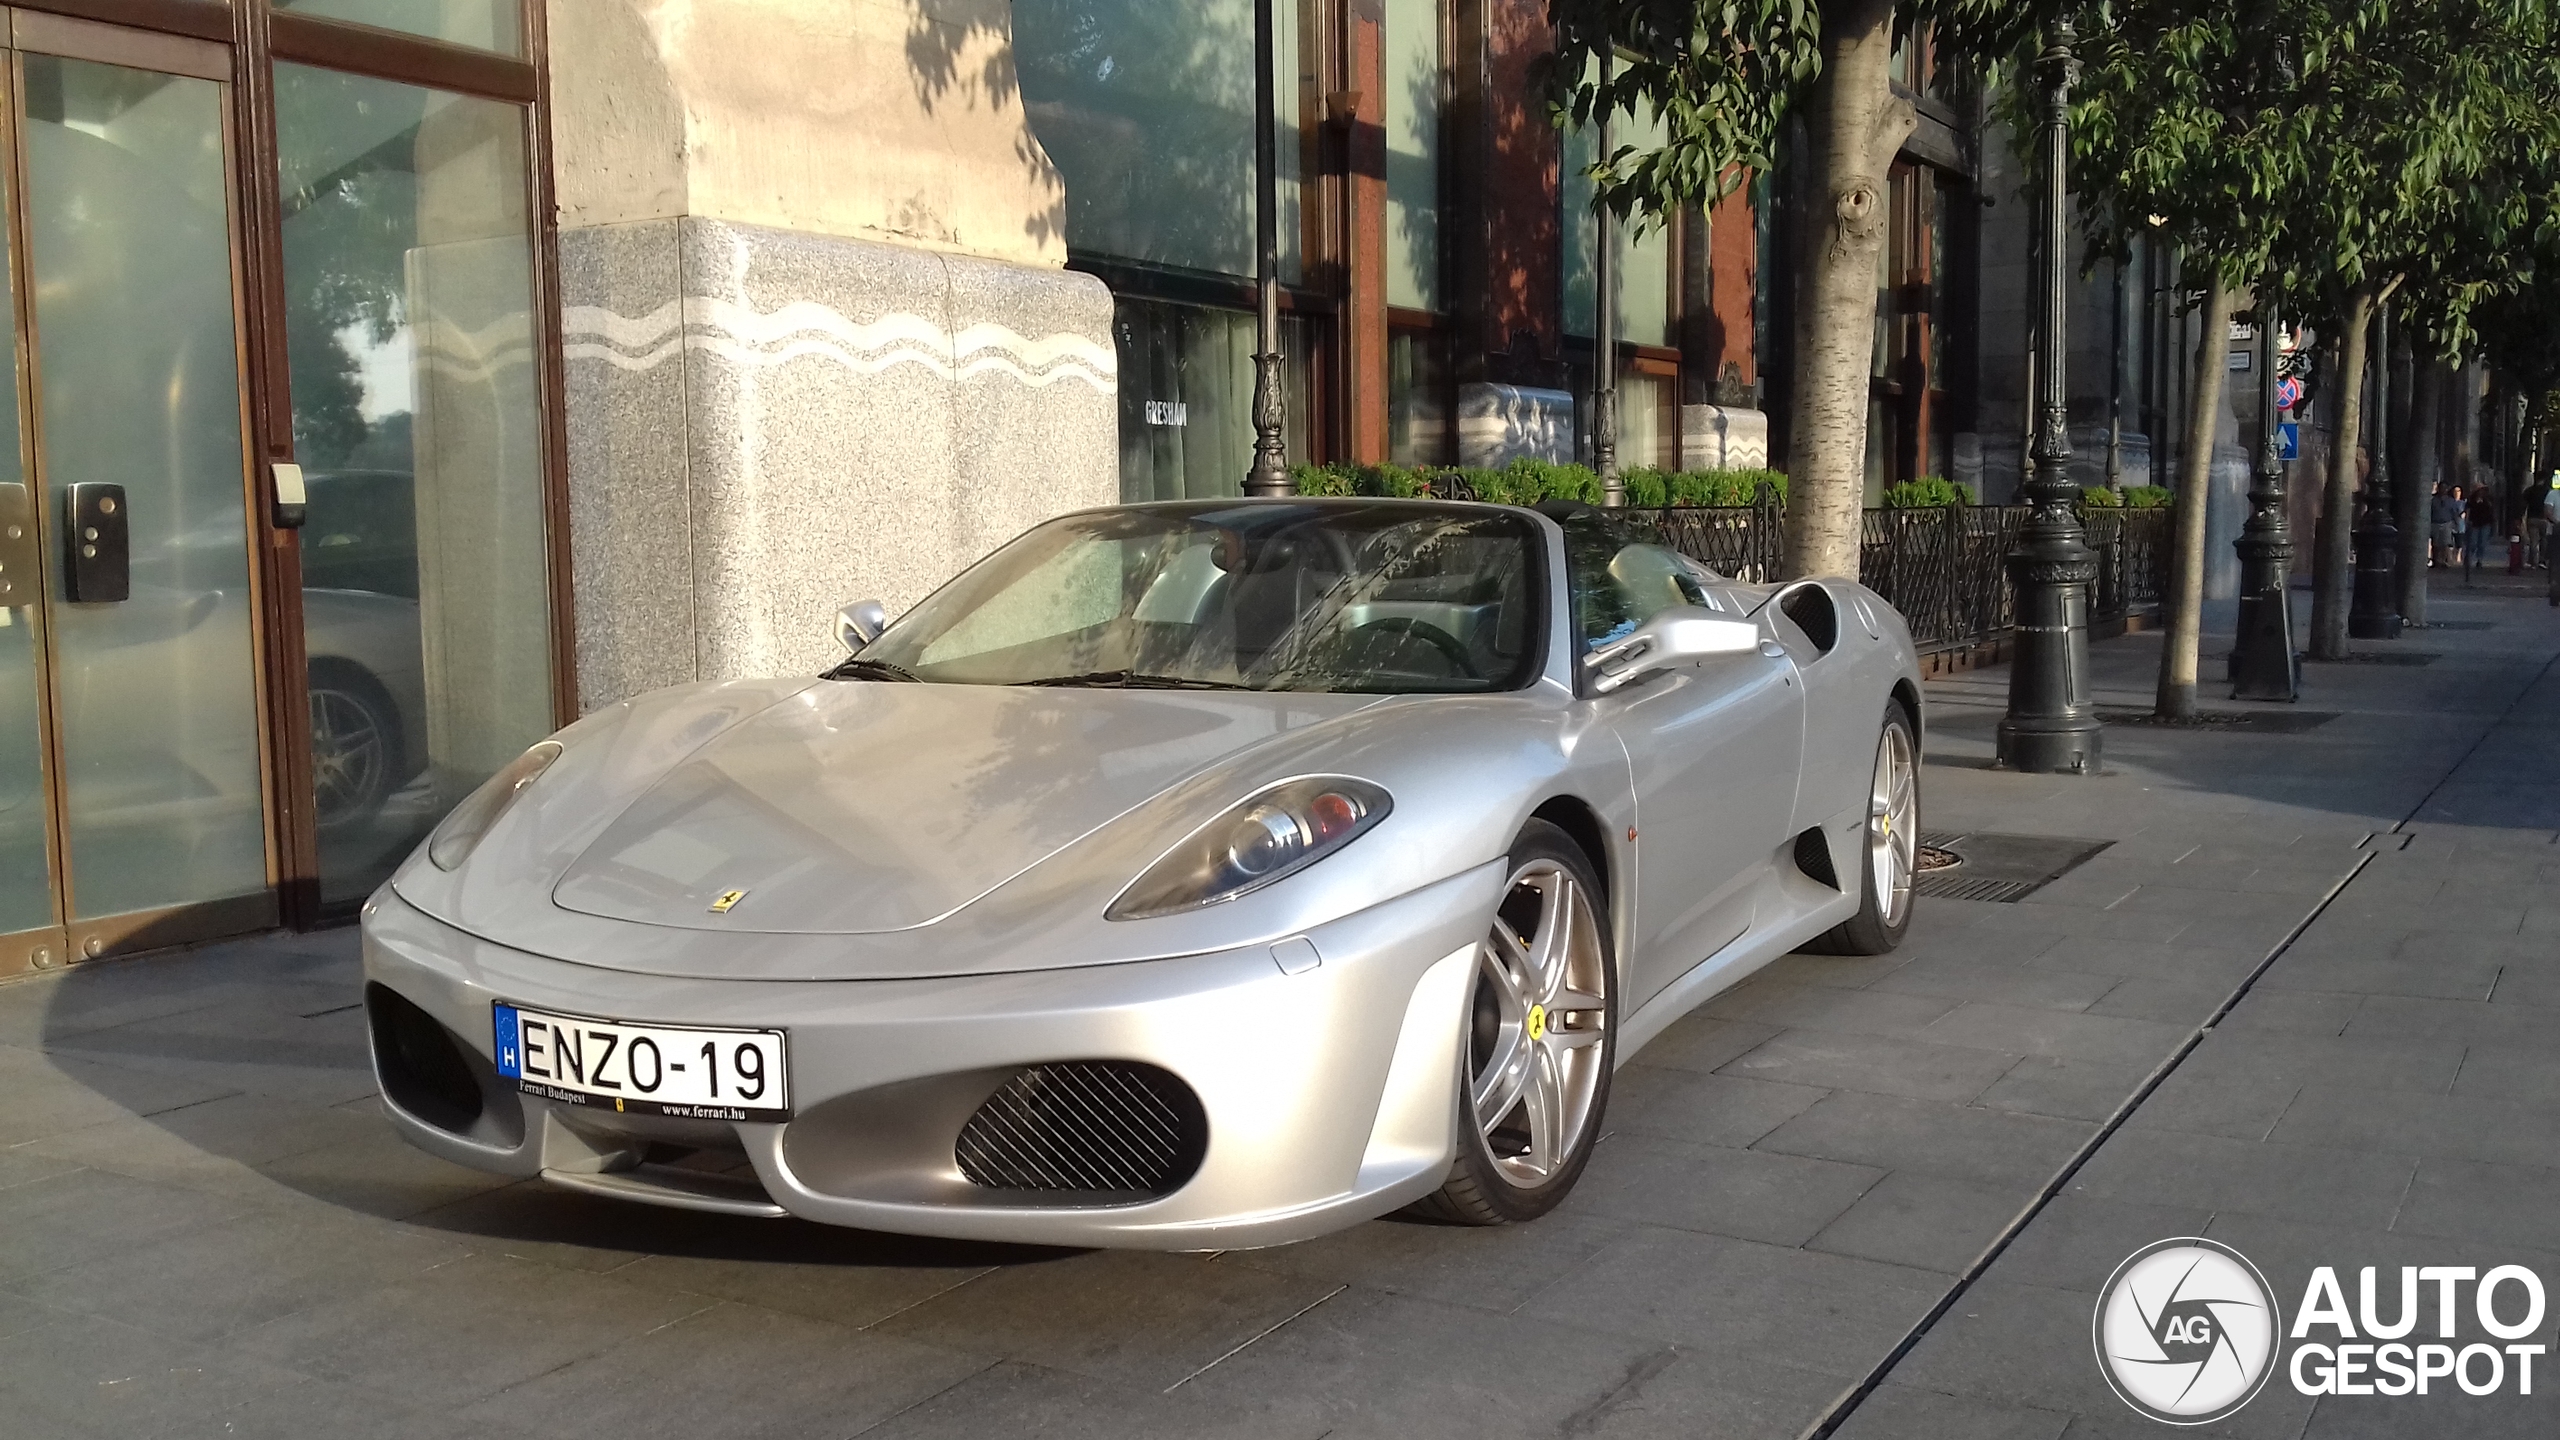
131,754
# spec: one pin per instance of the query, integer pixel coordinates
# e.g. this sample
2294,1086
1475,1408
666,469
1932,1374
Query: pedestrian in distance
2444,516
2479,522
2537,526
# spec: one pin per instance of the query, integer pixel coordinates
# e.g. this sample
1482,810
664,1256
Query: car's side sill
1724,968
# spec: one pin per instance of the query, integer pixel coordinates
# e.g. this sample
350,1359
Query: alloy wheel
350,757
1540,1013
1893,824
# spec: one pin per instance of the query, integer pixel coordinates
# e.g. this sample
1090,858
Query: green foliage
1723,76
2321,150
1526,482
1929,492
2149,497
2099,497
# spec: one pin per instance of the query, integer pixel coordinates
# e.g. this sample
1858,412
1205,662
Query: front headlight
1274,834
461,830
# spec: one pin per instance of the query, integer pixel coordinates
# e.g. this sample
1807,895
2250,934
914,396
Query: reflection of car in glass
360,632
368,701
360,531
1193,875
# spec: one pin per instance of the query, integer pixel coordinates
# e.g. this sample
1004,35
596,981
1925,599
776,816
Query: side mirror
860,623
1677,636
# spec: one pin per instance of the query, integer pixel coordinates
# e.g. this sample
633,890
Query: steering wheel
1406,628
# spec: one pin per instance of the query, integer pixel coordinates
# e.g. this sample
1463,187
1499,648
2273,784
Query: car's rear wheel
1891,855
1541,1039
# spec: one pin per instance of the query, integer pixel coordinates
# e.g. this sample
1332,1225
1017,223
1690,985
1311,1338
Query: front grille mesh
1110,1126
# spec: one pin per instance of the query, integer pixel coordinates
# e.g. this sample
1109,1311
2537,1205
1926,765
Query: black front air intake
1111,1127
420,1067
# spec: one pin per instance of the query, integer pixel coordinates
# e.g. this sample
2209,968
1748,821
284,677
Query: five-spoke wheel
1540,1039
1893,824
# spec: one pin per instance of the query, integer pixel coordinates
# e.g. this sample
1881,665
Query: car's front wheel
1541,1039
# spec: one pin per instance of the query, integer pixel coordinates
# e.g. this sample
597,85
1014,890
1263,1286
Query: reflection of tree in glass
1146,108
346,236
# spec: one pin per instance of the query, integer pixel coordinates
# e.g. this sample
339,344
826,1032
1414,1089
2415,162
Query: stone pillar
820,342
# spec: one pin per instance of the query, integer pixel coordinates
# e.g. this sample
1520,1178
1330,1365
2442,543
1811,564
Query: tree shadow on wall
1143,107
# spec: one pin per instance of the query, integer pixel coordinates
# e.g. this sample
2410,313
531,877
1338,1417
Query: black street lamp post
2051,725
2263,666
1270,472
2375,615
1604,328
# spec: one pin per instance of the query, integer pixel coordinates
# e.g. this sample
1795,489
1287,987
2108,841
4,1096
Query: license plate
678,1070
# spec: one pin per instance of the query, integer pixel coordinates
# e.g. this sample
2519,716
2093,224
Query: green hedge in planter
2148,497
1526,482
1929,492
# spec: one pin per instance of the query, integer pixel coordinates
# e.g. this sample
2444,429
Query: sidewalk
204,1229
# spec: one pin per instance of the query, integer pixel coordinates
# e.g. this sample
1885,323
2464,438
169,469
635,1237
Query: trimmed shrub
2149,497
2099,497
1929,492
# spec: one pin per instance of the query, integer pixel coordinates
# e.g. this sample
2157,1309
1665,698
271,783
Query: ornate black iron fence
1940,567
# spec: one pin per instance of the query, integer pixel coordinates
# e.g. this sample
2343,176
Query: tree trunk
2333,570
1855,124
2185,600
2415,467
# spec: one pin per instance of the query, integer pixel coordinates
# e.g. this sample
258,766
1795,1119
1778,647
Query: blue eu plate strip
510,1047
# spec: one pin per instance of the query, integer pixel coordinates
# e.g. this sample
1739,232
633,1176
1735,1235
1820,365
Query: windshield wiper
858,668
1136,680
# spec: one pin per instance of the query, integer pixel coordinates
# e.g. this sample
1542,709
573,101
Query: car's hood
860,808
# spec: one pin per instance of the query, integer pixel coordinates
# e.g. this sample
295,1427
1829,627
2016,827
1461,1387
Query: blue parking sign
2288,440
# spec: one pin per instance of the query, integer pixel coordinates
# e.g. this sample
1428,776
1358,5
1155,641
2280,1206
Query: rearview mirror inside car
1679,635
860,623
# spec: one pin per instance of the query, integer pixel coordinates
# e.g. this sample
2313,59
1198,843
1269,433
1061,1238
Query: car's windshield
1383,597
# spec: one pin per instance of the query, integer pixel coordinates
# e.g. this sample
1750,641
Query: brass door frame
69,940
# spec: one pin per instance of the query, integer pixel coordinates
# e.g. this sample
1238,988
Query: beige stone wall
887,120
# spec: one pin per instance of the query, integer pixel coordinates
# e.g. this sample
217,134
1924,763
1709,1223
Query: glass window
1186,398
1146,108
484,24
1372,598
1644,261
1418,422
1620,579
1413,105
409,327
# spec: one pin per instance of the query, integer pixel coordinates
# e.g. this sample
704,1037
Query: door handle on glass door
17,545
97,559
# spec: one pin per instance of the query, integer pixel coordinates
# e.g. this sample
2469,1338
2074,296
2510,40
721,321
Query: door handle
17,545
97,558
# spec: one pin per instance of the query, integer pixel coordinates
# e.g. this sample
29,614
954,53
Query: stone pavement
205,1229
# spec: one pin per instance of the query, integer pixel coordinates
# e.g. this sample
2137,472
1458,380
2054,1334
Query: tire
355,747
1892,855
1551,1079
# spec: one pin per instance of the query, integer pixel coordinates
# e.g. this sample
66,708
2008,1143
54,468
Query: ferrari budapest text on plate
649,1069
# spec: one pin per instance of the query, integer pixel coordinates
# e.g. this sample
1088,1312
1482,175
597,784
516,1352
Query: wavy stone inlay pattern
746,336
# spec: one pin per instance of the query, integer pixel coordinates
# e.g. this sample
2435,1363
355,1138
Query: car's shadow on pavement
237,1076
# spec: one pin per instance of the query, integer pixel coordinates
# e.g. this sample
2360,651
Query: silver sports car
1187,876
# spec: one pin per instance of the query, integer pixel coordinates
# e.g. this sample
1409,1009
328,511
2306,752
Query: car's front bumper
1329,1093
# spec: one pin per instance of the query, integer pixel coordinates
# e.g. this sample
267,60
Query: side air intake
1103,1127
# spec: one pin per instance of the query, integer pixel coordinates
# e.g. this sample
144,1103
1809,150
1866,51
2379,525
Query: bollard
2515,554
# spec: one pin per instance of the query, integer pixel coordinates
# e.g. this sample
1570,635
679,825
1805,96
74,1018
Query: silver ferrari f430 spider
1188,876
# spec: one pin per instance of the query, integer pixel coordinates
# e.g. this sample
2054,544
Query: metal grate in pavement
2285,721
2001,869
2457,625
2376,657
